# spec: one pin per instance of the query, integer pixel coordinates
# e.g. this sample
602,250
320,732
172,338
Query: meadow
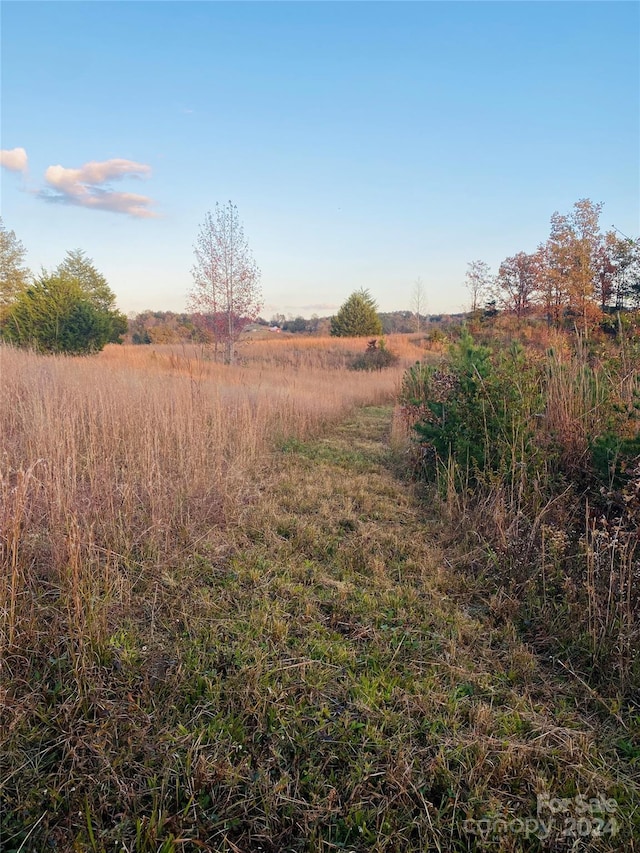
136,454
230,622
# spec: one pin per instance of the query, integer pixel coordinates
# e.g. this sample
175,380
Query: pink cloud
88,186
14,159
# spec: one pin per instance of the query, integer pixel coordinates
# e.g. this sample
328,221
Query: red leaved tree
518,282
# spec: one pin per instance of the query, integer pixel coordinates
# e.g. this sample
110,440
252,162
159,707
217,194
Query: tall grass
286,352
113,467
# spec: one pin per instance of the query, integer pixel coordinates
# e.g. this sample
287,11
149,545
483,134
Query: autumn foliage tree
226,290
584,240
578,274
623,265
518,282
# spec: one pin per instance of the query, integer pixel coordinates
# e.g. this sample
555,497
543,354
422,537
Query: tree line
574,277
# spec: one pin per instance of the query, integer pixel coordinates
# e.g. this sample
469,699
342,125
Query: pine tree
357,318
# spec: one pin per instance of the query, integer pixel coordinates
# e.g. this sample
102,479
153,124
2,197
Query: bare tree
418,301
478,282
226,288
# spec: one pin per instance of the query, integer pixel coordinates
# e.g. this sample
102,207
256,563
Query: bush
376,357
479,410
71,310
416,389
436,337
540,453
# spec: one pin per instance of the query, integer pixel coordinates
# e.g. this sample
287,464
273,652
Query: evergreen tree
357,318
55,315
94,284
70,310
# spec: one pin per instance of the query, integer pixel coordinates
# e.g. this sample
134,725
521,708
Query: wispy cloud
89,187
15,159
318,306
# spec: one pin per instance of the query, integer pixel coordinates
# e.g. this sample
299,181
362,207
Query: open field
228,624
140,452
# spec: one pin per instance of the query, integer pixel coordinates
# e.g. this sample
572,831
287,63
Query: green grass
319,680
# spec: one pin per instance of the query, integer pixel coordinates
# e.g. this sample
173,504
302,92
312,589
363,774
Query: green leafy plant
71,310
478,410
55,315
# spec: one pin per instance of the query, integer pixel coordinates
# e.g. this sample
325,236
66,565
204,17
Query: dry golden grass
135,453
288,352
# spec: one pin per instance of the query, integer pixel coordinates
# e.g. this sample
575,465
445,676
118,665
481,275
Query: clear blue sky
365,144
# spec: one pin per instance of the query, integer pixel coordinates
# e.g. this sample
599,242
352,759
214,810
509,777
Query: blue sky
364,144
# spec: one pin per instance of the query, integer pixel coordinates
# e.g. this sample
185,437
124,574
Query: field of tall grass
226,624
117,470
117,463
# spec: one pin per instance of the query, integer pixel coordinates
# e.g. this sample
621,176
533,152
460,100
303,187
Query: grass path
320,682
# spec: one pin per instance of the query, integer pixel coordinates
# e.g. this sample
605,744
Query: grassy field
229,624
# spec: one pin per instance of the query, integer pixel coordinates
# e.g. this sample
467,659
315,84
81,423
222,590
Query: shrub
71,310
55,315
416,388
540,453
436,337
478,410
376,357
